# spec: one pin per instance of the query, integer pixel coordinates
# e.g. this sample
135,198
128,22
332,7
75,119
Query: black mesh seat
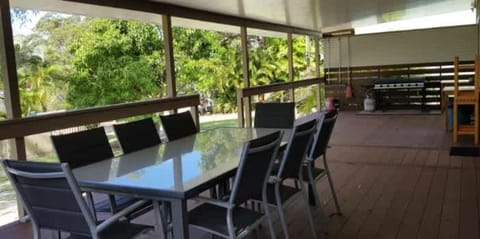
319,149
86,147
290,167
243,218
274,115
52,199
178,125
226,218
137,135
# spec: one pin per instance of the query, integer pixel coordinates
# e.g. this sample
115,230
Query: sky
25,28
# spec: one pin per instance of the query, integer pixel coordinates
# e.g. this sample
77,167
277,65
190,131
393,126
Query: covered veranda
391,184
385,166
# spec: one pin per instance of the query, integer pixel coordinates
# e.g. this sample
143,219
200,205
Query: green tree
208,62
116,61
36,77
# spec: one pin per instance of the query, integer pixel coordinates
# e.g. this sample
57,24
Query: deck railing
244,96
19,128
362,78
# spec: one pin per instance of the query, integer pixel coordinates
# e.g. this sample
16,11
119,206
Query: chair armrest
215,202
115,217
274,179
307,161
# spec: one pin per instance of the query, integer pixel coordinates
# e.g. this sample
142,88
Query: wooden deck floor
394,179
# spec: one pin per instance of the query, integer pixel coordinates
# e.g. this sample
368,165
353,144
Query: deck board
468,218
430,223
451,205
414,213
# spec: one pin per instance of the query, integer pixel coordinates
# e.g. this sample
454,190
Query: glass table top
175,168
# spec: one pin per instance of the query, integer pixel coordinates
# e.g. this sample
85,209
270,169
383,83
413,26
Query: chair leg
330,182
281,214
455,122
230,227
160,221
91,204
307,205
312,189
269,219
36,231
313,197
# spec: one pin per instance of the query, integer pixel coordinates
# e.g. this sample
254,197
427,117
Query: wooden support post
10,82
244,105
9,75
291,92
317,72
169,59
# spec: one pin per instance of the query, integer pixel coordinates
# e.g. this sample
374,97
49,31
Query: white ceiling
318,15
326,15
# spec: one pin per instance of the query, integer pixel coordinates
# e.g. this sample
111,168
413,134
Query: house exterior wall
417,46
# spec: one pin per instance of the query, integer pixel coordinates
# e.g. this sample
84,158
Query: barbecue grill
399,93
398,84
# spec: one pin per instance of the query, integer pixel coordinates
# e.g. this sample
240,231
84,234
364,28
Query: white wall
418,46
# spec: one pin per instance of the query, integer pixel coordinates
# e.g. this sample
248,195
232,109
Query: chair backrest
459,67
254,167
274,115
296,150
323,135
82,148
178,125
51,196
137,135
456,72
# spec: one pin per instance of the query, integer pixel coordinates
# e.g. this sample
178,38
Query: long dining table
173,171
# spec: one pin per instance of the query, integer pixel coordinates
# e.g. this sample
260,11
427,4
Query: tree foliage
114,62
103,61
208,63
37,78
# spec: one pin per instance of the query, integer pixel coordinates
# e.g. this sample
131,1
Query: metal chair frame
290,155
311,157
234,202
66,173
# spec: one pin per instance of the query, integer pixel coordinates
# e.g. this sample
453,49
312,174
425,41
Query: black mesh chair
290,167
82,148
86,147
178,125
52,199
137,135
319,149
226,218
274,115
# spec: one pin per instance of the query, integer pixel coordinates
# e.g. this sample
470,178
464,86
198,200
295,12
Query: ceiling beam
202,15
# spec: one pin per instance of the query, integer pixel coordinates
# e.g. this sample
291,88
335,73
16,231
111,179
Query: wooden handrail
16,128
262,89
258,90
